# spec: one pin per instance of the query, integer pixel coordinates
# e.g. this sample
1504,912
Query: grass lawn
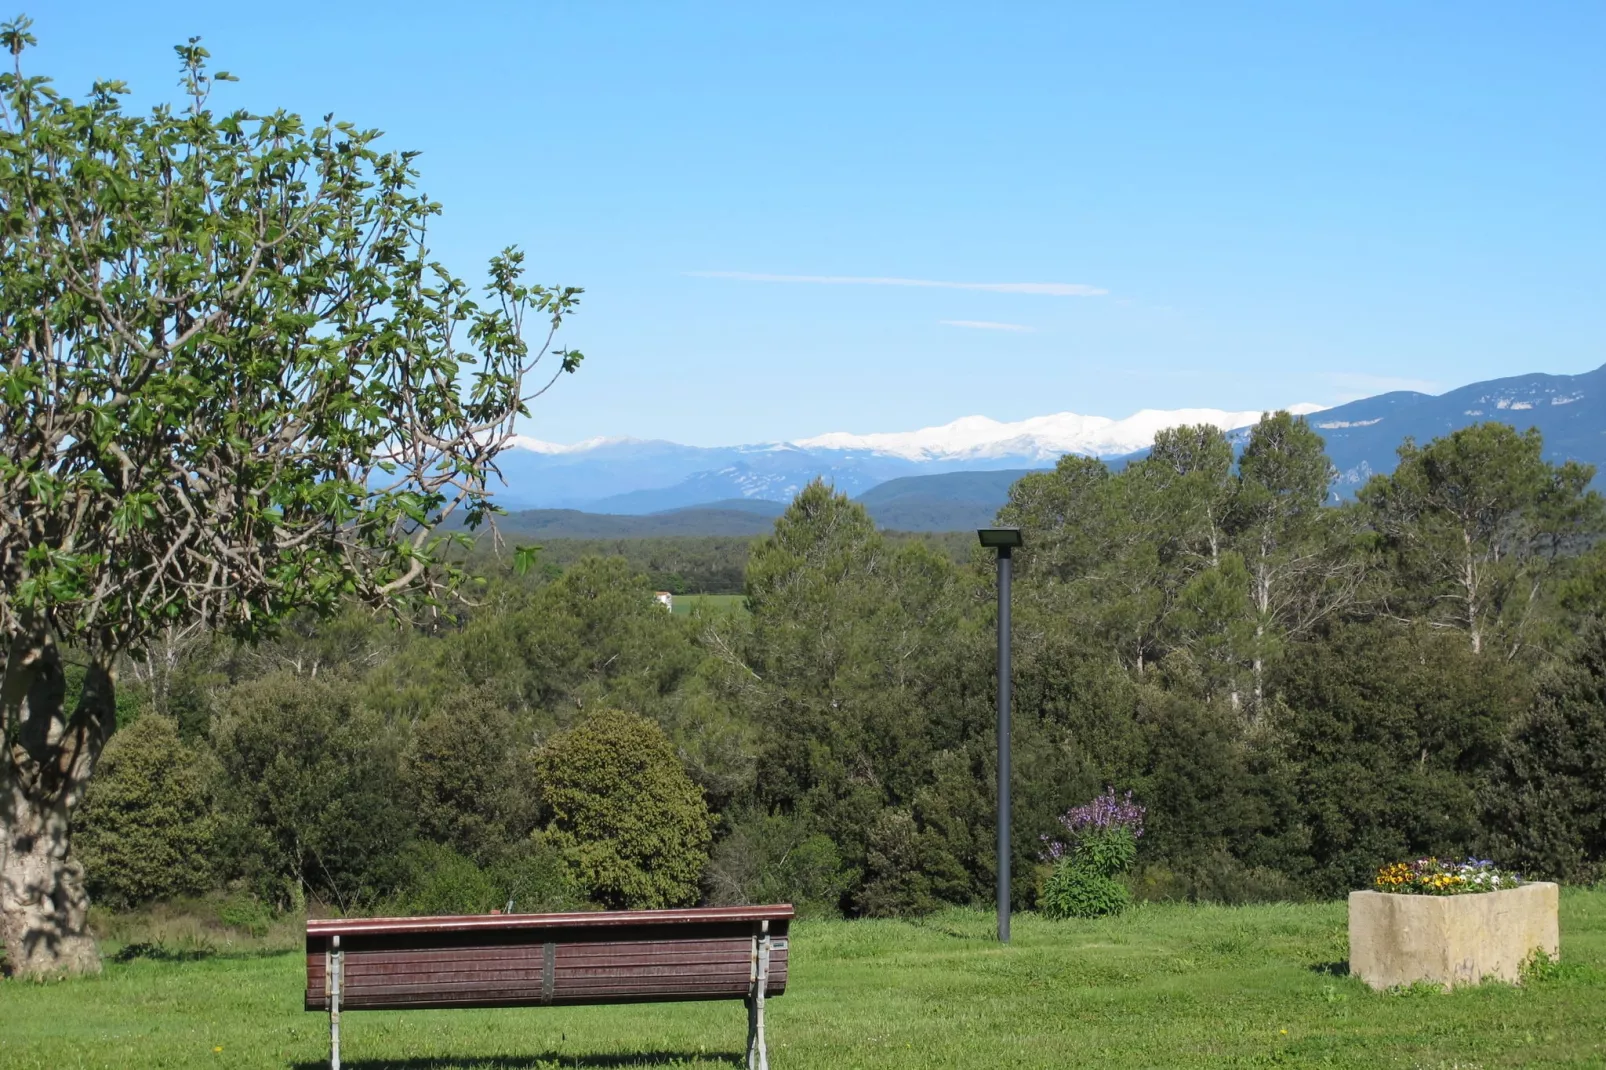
1164,986
716,603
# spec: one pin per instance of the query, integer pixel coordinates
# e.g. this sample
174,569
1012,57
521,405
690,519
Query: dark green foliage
147,830
435,879
310,791
626,819
900,877
771,858
470,778
1546,797
1388,729
685,565
1264,672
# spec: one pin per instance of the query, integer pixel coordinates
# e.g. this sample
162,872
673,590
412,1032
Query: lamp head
1000,538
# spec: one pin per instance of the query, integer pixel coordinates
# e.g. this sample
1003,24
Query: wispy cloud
985,325
1051,289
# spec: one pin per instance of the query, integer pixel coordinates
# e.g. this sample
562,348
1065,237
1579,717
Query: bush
438,880
534,878
626,819
771,858
146,830
309,791
1084,884
1073,892
468,778
1546,798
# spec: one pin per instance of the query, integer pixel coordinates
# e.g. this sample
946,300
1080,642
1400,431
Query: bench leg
336,964
752,1032
761,1048
758,1056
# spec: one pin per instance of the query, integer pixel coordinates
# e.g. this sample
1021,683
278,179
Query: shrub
146,830
468,779
772,858
438,880
626,819
309,791
1546,797
1104,844
534,878
1073,892
898,870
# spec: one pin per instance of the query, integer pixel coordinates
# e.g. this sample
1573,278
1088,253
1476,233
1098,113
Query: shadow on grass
1331,969
546,1061
158,953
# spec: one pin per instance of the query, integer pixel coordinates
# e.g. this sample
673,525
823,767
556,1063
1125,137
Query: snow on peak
535,445
981,437
1041,437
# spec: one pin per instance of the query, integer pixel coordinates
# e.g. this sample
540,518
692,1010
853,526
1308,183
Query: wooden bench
531,960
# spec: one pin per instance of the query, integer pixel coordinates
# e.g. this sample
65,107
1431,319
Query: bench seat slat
526,960
358,966
509,952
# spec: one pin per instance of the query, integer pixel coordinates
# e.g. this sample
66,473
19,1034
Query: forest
1297,692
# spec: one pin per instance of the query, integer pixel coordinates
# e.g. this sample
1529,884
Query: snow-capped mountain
632,476
1362,437
1041,438
621,475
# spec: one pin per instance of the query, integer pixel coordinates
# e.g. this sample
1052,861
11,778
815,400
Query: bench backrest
514,960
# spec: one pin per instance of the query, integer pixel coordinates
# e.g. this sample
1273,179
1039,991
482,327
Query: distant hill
1363,436
952,501
1569,410
759,506
573,524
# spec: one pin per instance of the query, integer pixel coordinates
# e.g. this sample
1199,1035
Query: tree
1389,730
147,830
1546,797
232,388
1475,519
851,642
310,793
627,819
468,779
1298,572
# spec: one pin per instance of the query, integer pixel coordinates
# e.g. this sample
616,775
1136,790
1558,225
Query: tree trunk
49,754
44,909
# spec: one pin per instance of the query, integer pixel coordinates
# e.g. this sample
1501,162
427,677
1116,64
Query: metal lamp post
1004,540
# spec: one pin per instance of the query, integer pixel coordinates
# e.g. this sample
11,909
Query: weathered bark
49,754
44,909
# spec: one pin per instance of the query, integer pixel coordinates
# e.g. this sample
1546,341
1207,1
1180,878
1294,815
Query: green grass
1164,986
716,603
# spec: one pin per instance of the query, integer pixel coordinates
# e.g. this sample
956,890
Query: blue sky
1233,205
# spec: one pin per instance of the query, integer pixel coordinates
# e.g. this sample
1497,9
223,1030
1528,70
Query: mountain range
956,475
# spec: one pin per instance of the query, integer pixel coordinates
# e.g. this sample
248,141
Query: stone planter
1449,939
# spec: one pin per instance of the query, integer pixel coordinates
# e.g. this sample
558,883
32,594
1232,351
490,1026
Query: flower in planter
1432,876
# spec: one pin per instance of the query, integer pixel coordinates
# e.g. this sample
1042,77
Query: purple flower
1106,812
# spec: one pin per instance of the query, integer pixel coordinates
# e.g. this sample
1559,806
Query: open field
1164,986
716,603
